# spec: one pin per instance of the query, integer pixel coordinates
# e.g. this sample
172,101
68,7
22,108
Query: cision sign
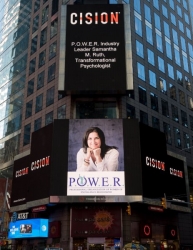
95,48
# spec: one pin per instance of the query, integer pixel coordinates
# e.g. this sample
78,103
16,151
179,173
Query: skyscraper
40,80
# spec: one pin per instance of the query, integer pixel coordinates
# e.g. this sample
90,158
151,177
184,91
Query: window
183,43
34,44
163,86
175,36
39,103
181,26
170,71
152,78
177,138
157,22
49,118
165,110
142,95
166,30
30,87
185,62
40,80
155,4
43,37
154,101
171,3
138,26
182,97
147,13
130,111
179,11
190,49
42,58
190,103
52,50
143,117
186,18
188,33
150,56
50,96
61,114
141,71
139,49
167,131
54,28
51,72
184,118
188,84
161,64
168,48
179,77
149,34
159,42
137,6
164,11
27,133
36,5
28,110
191,122
35,23
175,113
37,124
173,18
155,123
177,55
94,109
172,89
32,66
45,12
186,138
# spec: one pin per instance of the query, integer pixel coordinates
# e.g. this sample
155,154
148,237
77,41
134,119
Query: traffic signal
164,203
191,201
128,210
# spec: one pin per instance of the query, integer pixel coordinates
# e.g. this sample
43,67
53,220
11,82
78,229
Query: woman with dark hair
95,155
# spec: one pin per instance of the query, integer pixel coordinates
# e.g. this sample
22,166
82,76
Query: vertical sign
95,48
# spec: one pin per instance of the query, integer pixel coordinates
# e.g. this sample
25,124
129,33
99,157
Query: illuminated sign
95,48
145,230
28,229
95,162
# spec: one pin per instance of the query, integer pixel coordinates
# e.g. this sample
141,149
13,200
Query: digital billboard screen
96,157
28,228
95,48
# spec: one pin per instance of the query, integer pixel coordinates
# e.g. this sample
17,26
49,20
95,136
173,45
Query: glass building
31,55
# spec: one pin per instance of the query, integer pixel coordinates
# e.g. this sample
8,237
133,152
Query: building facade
152,82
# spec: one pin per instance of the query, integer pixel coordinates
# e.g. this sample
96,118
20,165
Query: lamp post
4,204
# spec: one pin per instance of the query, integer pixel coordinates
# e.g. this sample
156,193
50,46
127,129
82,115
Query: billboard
31,174
95,48
96,157
28,228
153,161
96,221
162,173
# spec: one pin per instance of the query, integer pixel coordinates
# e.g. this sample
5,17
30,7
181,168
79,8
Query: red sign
38,209
156,209
96,221
55,229
145,230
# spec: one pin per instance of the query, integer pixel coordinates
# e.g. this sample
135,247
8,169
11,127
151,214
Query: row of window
178,141
164,107
40,78
43,36
162,86
61,114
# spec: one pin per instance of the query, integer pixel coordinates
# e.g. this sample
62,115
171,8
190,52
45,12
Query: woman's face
93,140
